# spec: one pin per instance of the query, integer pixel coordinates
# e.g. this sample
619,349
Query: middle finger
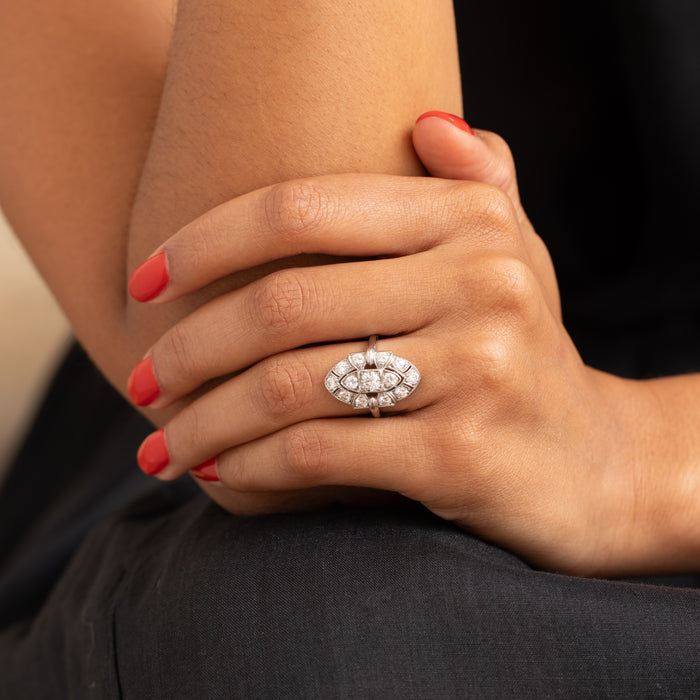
288,309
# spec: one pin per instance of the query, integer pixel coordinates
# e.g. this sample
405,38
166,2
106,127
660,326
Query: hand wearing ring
498,435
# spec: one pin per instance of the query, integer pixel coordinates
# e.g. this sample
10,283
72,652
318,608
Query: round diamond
350,381
390,380
361,401
401,392
343,367
331,382
357,359
385,400
412,376
344,396
382,359
370,380
400,364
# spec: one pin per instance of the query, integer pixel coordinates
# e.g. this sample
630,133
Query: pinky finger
386,454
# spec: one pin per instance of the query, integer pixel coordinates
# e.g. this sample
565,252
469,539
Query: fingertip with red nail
446,116
142,385
153,455
150,278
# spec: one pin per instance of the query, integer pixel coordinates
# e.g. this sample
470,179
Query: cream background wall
33,334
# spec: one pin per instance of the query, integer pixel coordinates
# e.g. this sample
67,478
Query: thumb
449,148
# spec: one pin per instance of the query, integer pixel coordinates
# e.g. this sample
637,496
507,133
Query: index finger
343,215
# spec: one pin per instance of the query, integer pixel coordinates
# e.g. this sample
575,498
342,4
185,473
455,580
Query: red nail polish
207,471
452,118
150,278
153,454
143,386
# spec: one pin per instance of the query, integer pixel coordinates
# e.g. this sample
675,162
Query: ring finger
291,388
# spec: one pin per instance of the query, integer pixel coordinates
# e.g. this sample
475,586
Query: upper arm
263,91
79,88
256,91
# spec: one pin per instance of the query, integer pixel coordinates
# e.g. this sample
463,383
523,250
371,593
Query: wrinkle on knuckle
175,351
187,430
496,206
297,208
284,387
280,301
194,245
304,454
457,204
495,216
238,474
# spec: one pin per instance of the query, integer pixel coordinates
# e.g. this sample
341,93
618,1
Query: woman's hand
508,434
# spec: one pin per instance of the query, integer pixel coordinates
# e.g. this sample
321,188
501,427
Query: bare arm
256,93
79,89
262,92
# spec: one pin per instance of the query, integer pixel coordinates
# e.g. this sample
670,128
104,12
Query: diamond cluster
363,375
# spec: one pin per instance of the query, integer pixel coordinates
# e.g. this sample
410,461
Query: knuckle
187,433
177,359
238,474
280,300
482,210
193,245
304,454
285,387
498,371
509,287
495,358
298,207
495,207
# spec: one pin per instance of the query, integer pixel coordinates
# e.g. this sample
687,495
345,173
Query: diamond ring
371,379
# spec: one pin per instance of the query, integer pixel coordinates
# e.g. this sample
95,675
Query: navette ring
372,380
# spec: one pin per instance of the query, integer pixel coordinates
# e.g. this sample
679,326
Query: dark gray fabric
176,599
77,465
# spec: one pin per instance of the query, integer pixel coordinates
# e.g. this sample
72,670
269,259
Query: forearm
261,92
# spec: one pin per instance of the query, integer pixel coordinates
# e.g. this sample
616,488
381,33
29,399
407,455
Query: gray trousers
173,598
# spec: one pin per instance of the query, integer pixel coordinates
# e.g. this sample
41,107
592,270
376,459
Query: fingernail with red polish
143,386
150,278
452,118
153,454
207,471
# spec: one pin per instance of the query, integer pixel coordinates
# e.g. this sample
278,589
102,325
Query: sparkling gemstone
401,392
385,400
343,367
412,376
389,379
361,401
331,382
380,374
357,359
350,381
344,396
382,359
370,380
400,364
